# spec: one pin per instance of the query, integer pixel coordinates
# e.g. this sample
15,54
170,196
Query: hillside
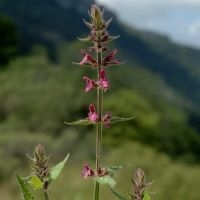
159,85
49,23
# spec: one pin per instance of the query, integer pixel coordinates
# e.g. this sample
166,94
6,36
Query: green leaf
119,119
146,196
57,169
26,195
119,196
35,183
105,180
111,170
84,122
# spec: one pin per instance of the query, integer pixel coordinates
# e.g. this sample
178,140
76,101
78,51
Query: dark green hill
50,22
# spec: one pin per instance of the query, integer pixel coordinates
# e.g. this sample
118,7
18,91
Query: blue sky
179,19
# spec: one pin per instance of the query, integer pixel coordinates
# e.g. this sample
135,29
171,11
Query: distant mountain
46,22
51,22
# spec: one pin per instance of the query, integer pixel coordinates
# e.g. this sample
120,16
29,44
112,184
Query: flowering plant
97,57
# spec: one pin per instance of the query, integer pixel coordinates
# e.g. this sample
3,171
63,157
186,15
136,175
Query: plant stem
46,197
99,125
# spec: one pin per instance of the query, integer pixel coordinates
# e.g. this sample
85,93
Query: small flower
103,83
92,115
87,171
110,59
102,172
88,59
106,119
90,84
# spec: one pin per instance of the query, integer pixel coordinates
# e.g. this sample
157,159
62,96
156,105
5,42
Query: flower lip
88,59
103,81
92,115
87,171
90,84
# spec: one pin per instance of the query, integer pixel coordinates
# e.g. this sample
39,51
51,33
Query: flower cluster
88,172
93,117
102,82
99,37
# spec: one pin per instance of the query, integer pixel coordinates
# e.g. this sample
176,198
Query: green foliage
119,196
105,180
84,122
119,119
35,182
26,195
146,196
111,170
57,169
172,180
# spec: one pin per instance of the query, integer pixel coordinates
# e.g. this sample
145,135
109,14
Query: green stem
46,197
99,126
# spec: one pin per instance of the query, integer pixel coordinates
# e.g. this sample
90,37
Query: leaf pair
86,122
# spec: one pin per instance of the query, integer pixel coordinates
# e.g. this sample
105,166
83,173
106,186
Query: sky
179,19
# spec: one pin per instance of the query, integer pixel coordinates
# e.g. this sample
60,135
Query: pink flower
90,84
103,83
92,115
88,59
87,171
110,59
106,119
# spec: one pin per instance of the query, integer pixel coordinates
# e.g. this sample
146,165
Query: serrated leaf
35,182
111,170
105,180
119,119
84,122
119,196
57,169
146,196
26,195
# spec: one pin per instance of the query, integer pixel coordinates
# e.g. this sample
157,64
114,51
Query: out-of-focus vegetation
171,180
37,96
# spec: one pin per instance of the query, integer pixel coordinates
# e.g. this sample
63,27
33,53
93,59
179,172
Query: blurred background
159,85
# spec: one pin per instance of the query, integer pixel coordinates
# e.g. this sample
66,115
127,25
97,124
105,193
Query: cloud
194,28
176,18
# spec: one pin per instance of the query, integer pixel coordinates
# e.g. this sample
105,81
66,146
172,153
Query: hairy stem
99,125
46,197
